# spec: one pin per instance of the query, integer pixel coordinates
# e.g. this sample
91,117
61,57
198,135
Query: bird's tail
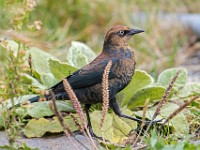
34,99
31,100
58,96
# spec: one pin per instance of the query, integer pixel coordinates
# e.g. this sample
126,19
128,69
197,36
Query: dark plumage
86,82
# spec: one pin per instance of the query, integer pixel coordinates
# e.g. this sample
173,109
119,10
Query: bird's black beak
135,31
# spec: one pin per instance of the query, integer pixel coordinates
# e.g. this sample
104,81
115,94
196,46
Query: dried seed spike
166,94
75,102
105,92
78,109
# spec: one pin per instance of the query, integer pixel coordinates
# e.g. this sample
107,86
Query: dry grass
181,108
76,103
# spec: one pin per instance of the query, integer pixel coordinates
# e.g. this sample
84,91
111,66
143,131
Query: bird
87,81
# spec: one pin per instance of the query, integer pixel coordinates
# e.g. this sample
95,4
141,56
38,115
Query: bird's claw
96,137
153,122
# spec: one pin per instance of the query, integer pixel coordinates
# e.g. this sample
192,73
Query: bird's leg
89,125
87,108
114,105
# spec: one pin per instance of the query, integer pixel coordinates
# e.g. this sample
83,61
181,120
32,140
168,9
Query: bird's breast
124,72
125,68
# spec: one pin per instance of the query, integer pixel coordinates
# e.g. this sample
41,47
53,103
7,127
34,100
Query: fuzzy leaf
35,82
115,129
38,127
60,70
39,60
79,54
189,90
179,122
41,109
16,100
166,76
48,80
140,80
152,93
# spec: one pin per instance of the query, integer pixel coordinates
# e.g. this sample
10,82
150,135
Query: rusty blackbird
86,82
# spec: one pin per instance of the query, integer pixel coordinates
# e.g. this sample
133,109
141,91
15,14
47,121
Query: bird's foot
152,122
95,136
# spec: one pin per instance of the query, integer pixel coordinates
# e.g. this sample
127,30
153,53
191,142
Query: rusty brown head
120,35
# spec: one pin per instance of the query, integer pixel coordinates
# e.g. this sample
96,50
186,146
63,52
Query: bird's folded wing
88,76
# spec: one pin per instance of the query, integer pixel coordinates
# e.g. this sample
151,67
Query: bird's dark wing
88,75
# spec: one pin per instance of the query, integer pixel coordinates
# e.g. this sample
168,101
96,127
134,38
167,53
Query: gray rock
53,142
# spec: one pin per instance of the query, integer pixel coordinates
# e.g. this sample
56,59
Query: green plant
162,143
13,68
142,87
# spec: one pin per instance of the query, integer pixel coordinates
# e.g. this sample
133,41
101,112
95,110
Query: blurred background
171,38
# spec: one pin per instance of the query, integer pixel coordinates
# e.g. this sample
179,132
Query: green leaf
17,100
40,60
79,54
35,82
189,90
42,109
48,80
152,93
140,80
60,70
179,122
38,127
115,129
167,75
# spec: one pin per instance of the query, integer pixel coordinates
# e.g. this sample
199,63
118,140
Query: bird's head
120,35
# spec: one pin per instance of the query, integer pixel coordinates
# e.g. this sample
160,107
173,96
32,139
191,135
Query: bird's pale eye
121,32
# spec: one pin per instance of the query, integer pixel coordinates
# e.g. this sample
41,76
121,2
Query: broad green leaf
8,104
140,80
39,63
42,109
38,127
122,127
167,75
179,122
60,70
39,60
48,80
79,54
152,93
189,90
17,100
35,82
115,129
